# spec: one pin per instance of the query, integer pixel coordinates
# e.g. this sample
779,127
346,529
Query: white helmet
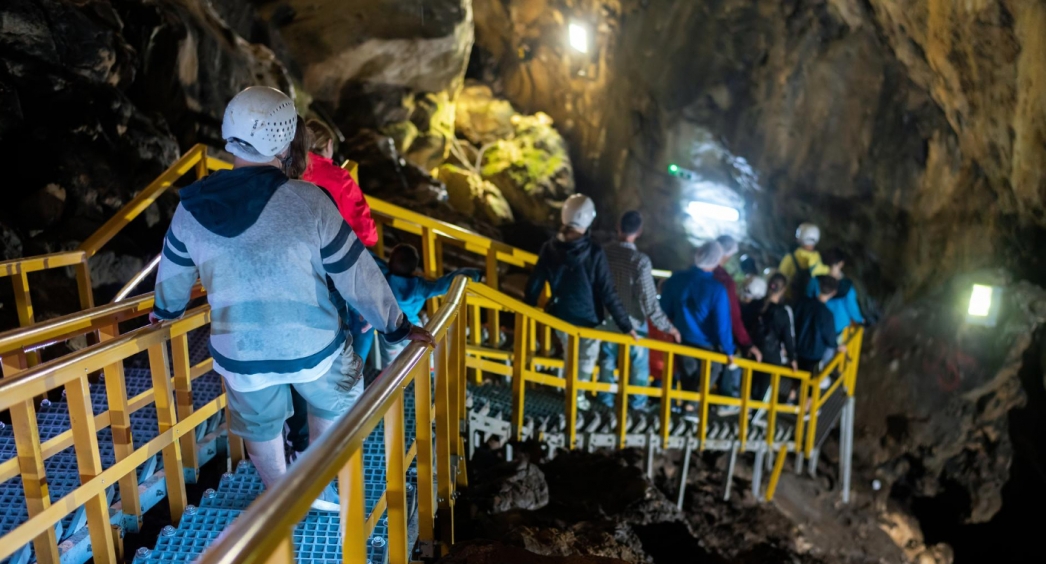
259,124
754,288
807,234
578,212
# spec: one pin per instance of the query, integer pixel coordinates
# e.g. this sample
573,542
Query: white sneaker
583,404
728,410
328,500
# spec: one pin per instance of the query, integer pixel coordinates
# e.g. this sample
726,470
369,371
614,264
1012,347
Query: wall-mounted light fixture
578,36
983,308
706,210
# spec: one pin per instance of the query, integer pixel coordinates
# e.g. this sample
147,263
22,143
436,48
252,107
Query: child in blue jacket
411,292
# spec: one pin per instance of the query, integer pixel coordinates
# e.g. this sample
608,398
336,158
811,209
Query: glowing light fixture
673,168
579,37
705,210
980,301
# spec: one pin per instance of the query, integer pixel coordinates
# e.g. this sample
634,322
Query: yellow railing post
444,471
31,464
24,308
201,165
624,371
771,418
83,283
519,364
423,440
396,480
163,398
746,393
89,464
804,391
771,488
183,401
815,399
429,261
666,399
476,336
123,437
494,322
706,385
570,359
350,486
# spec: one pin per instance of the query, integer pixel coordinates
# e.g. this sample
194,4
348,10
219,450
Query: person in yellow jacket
804,263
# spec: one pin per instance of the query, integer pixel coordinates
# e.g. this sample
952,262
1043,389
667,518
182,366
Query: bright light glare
579,37
673,168
712,211
980,301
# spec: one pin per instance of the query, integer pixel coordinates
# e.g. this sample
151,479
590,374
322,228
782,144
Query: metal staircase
65,478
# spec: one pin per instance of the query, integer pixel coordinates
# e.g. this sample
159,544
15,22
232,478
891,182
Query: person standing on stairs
772,327
844,306
698,305
263,246
741,338
634,281
804,262
343,190
576,269
815,328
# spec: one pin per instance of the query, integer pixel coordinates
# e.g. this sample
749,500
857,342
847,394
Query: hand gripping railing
263,532
176,420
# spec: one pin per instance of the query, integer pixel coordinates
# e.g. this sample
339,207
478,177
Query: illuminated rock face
911,130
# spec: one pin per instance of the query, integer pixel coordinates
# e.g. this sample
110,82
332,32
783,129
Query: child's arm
440,286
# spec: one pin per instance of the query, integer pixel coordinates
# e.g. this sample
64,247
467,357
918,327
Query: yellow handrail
263,532
175,425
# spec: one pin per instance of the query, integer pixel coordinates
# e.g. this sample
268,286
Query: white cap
259,124
578,212
808,234
708,255
754,288
728,243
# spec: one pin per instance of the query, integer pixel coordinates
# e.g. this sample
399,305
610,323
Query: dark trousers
298,424
689,374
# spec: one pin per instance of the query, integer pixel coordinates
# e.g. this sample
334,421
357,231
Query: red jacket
740,335
347,195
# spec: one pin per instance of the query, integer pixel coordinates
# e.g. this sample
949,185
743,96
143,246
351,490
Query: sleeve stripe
401,331
178,245
164,314
346,262
339,241
170,255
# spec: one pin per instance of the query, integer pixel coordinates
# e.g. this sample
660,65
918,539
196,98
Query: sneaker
583,404
728,410
328,500
691,416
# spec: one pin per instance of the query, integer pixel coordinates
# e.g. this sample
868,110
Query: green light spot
673,168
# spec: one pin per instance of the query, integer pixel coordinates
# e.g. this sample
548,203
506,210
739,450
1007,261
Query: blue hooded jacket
699,308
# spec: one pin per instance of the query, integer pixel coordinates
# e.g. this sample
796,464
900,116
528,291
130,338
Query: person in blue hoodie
265,246
698,306
413,291
576,269
844,307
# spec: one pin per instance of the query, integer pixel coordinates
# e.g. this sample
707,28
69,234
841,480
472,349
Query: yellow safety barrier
523,361
263,532
176,419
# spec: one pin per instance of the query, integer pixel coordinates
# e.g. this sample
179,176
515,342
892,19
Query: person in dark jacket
815,326
771,325
699,308
576,268
845,309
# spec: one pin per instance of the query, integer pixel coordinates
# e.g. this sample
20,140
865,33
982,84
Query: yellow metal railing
171,395
264,532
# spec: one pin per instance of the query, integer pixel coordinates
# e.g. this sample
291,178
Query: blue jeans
639,359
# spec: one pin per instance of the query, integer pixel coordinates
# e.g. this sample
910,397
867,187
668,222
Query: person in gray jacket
264,246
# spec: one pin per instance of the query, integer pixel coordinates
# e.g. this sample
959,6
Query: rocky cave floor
581,508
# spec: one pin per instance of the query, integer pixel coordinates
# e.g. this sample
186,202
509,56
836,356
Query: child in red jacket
338,183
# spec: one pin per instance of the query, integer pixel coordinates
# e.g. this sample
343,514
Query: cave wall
97,98
919,122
